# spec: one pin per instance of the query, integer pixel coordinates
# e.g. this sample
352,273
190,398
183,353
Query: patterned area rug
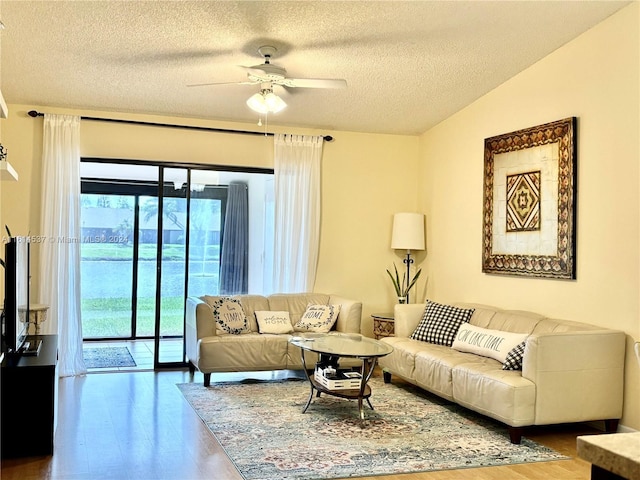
108,357
263,430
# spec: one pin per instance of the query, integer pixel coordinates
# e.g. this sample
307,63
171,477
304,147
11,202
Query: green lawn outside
111,317
146,251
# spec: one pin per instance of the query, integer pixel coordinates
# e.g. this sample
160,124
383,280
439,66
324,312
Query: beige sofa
209,351
571,372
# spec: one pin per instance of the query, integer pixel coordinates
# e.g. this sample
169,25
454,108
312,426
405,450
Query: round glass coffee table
330,348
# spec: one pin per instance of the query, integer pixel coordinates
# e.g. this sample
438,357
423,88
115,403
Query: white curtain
60,249
297,162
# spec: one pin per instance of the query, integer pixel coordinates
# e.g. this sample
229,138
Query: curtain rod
34,114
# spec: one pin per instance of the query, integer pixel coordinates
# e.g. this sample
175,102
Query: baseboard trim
625,429
599,425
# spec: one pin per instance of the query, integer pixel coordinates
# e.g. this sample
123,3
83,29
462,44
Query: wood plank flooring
136,425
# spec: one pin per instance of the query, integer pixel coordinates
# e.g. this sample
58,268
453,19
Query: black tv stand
31,346
29,387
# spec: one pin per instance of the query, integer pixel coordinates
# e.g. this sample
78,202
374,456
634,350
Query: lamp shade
408,231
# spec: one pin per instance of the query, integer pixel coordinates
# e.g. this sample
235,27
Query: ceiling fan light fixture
257,104
266,101
274,102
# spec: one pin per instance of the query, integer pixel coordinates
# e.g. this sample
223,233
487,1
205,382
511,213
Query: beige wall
366,179
364,182
596,79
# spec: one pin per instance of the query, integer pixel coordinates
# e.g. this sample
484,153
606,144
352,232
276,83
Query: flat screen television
15,326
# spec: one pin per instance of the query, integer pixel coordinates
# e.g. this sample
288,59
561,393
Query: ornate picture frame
529,206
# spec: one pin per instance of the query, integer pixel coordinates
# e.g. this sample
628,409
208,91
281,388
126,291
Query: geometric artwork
529,202
523,202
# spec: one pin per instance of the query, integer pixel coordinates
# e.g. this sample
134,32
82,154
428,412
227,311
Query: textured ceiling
408,65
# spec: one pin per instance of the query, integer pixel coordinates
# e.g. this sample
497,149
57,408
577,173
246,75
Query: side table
383,325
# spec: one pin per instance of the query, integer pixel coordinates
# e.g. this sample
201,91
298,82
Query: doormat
107,357
262,429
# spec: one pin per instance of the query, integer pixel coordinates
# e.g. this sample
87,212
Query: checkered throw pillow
440,323
514,358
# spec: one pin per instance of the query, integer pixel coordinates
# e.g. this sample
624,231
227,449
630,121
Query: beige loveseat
209,351
571,372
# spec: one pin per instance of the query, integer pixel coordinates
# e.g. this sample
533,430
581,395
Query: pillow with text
494,344
318,318
229,316
273,322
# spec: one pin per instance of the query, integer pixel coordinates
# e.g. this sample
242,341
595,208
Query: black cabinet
29,391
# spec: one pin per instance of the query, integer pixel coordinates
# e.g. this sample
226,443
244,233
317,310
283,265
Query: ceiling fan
267,75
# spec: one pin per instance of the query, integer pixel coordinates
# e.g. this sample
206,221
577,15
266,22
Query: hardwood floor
136,425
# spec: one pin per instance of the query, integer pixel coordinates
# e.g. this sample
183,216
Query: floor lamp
408,234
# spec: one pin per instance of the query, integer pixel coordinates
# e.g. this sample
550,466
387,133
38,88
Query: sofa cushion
242,353
433,367
251,303
516,321
318,318
273,322
514,358
484,387
229,316
494,344
295,303
440,323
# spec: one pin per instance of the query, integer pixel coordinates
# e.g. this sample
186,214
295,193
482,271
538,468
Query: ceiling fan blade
221,83
316,82
258,68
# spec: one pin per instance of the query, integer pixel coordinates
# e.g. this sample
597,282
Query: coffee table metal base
361,394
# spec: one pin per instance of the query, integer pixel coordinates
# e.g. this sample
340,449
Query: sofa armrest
350,316
199,324
406,318
579,375
200,317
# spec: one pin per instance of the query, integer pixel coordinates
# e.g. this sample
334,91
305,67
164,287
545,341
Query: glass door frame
164,191
159,249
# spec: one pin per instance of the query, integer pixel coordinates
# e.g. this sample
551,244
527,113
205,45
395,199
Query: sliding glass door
152,236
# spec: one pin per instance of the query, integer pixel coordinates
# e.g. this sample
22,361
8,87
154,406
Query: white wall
596,79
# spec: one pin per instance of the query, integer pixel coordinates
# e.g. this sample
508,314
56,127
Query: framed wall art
530,202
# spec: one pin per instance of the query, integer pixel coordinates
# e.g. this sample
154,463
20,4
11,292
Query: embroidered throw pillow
440,323
318,318
494,344
273,322
229,316
514,358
